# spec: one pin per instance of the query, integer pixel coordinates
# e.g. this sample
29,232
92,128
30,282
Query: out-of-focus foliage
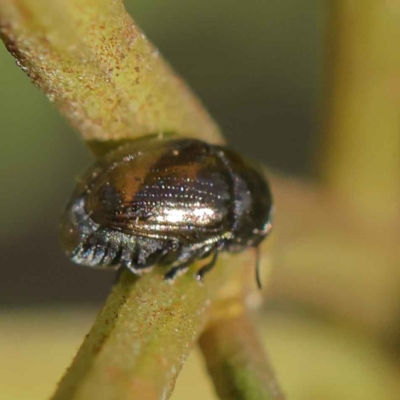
341,364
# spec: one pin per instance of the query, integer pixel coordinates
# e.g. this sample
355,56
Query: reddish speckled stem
237,362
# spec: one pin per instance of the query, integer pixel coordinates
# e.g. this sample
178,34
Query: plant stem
337,246
361,153
95,64
236,360
139,341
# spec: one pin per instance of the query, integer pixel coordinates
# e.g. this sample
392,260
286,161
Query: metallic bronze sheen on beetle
165,202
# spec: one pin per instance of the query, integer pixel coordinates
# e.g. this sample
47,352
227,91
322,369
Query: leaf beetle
168,202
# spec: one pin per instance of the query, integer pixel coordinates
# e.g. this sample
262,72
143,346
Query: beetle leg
207,268
176,271
118,275
258,277
171,253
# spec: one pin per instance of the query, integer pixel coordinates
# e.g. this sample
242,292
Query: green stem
91,59
361,151
236,360
139,341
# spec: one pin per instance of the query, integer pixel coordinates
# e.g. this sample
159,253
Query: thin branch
147,328
361,151
95,64
139,341
324,258
337,242
236,360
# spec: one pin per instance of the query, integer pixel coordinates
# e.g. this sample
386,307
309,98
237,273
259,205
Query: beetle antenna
258,277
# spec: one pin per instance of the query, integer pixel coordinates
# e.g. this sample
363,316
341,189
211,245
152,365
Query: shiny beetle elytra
167,202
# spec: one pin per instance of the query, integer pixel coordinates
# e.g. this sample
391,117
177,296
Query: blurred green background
257,65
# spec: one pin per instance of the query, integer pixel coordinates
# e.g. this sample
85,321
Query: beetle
166,201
